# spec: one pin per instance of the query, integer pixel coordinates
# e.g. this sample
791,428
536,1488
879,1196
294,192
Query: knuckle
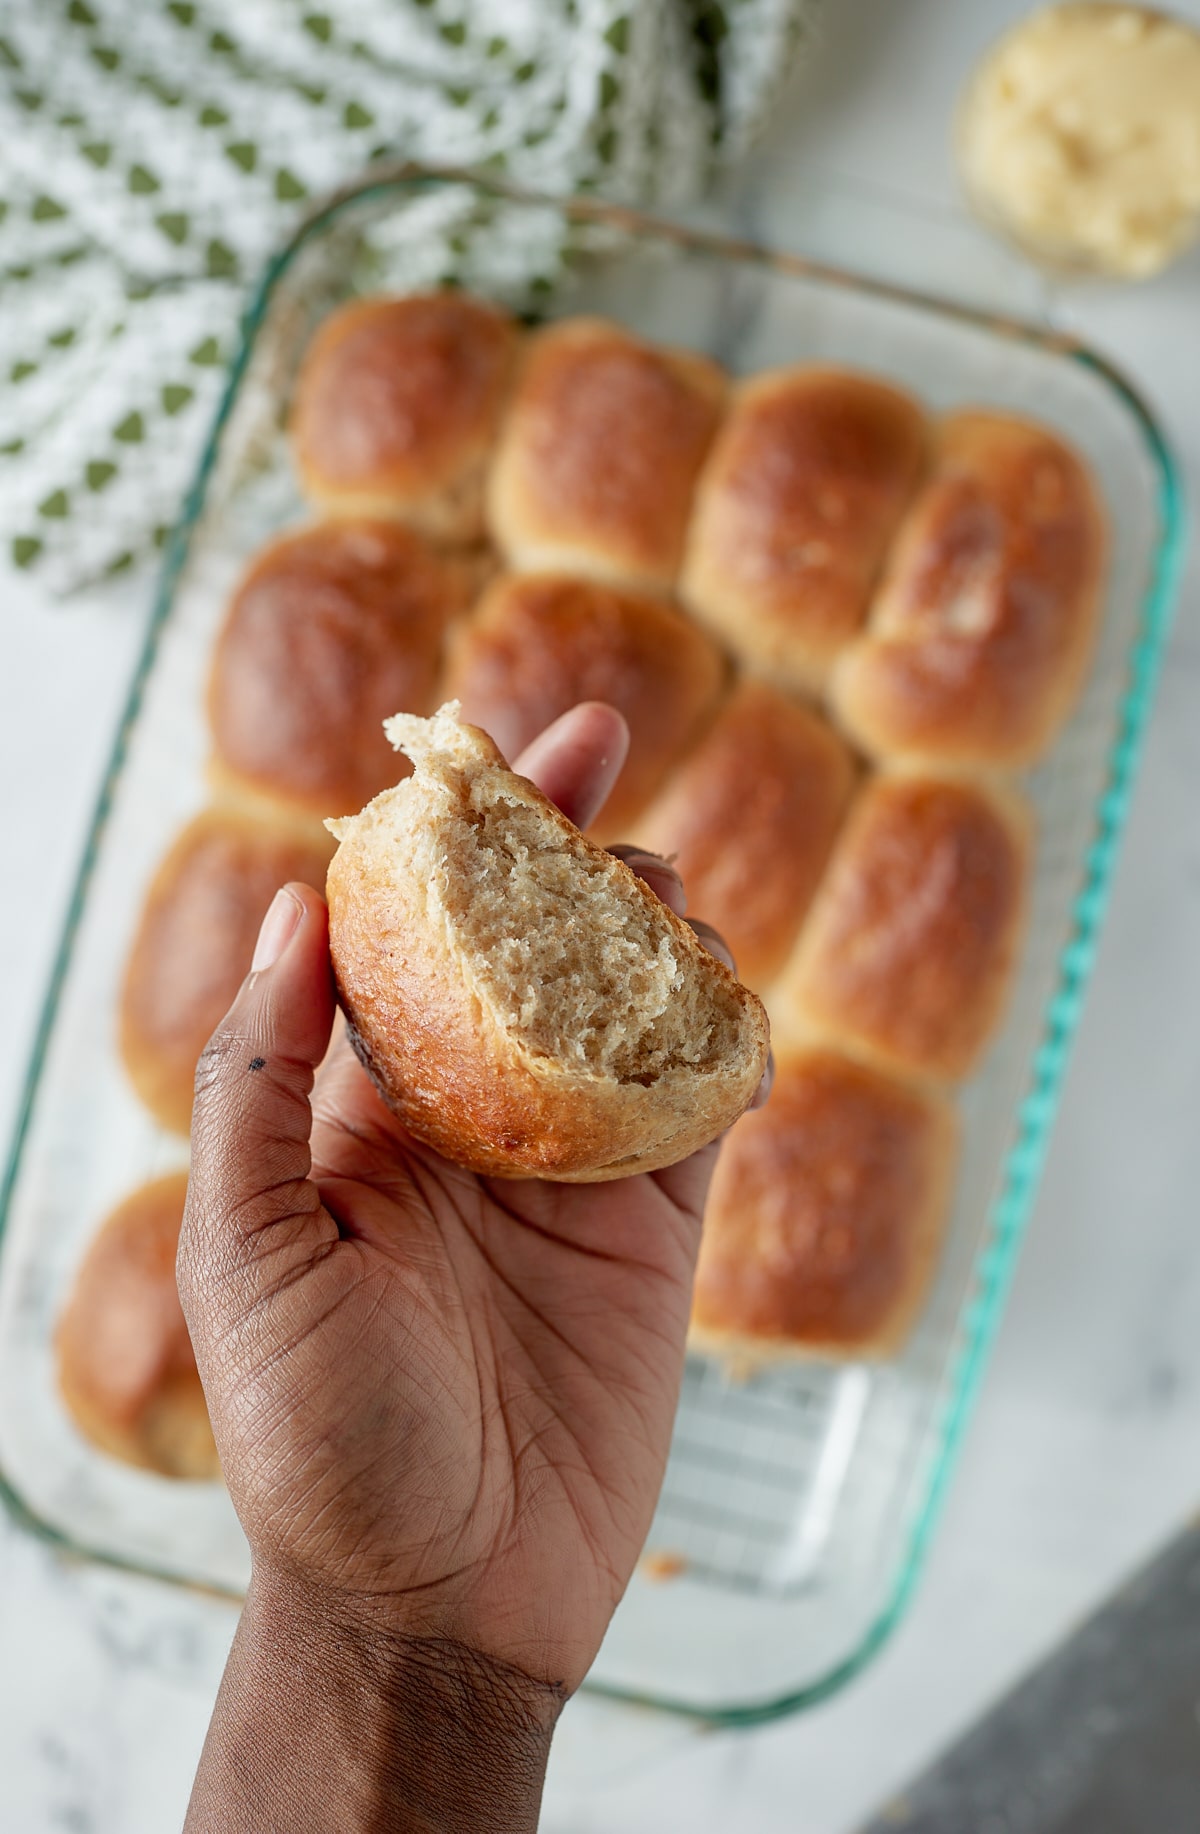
227,1049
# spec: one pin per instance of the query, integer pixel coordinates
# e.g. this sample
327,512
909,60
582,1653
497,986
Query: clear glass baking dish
798,1505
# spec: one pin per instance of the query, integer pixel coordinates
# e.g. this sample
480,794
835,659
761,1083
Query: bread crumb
662,1565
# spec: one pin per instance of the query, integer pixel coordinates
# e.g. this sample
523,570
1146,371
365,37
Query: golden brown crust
540,643
448,1068
397,406
331,630
126,1369
749,820
983,628
825,1215
910,946
452,1081
803,489
194,943
600,451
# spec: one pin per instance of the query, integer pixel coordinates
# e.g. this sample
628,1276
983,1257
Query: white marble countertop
1081,1458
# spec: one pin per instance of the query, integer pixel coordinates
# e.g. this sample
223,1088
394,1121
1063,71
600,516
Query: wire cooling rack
762,1467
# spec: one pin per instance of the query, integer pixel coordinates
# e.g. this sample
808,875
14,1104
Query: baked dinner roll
195,941
126,1370
825,1216
541,643
807,480
749,820
524,1004
911,941
983,628
331,630
397,406
599,453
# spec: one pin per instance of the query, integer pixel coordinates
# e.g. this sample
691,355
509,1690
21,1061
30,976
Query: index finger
576,761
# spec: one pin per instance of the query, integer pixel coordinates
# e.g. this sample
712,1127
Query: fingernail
665,885
658,873
278,927
652,862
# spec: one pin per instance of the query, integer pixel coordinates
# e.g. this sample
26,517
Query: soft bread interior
560,944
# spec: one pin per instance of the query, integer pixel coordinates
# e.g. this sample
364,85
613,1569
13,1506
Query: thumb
253,1219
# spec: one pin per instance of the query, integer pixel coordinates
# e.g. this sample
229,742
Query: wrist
328,1720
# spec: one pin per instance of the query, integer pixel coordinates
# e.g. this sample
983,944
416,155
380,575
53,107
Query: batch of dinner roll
839,629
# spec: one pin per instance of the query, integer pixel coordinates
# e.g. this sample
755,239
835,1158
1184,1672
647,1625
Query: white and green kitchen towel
154,152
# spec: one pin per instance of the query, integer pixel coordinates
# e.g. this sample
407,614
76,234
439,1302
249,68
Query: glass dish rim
997,1255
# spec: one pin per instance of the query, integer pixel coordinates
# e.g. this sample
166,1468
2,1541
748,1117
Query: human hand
443,1403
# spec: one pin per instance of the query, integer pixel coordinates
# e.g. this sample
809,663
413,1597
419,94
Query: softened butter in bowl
1079,138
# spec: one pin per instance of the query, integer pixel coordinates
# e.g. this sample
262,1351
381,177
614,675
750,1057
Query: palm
444,1397
479,1388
